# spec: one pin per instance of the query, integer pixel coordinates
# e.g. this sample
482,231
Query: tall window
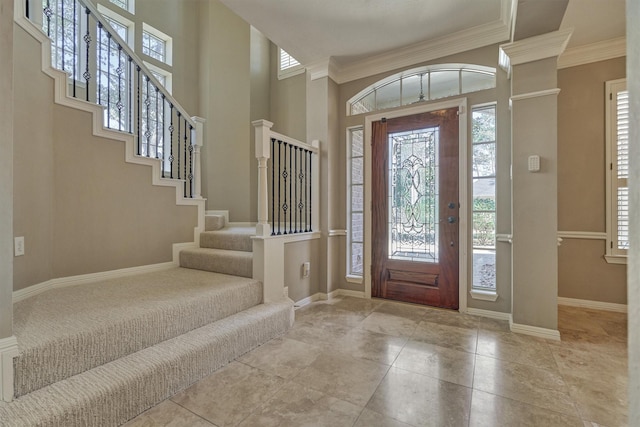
127,5
62,18
617,158
483,134
355,191
112,89
156,44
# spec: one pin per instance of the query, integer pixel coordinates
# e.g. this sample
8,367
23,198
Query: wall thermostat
534,163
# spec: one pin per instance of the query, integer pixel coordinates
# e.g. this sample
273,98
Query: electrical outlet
18,246
306,269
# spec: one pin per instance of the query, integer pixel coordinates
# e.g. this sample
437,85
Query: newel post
197,162
263,153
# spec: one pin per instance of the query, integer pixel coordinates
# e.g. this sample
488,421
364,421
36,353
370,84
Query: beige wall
295,255
224,84
288,101
81,208
583,271
6,169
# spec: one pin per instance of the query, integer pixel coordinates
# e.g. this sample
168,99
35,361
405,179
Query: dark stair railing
104,70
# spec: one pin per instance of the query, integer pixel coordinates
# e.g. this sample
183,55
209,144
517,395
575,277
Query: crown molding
461,41
586,54
534,48
324,68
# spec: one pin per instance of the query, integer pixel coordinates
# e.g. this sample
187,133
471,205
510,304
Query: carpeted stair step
214,222
111,394
230,238
236,263
66,331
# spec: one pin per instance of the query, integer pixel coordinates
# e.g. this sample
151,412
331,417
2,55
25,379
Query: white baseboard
595,305
87,278
321,296
549,334
8,351
488,313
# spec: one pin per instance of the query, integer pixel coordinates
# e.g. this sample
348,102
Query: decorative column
263,153
197,161
532,64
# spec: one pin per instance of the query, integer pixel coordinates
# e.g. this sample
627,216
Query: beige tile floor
355,362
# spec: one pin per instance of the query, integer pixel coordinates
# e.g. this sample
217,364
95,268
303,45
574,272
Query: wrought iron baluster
279,184
164,134
190,161
62,31
157,123
129,91
119,105
75,25
310,190
99,64
48,13
295,188
171,141
26,9
285,175
291,171
108,79
273,184
87,41
147,130
300,203
178,147
139,108
185,157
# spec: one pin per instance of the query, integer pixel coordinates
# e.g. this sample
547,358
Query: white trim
535,48
310,299
290,238
504,238
600,51
225,214
616,259
462,41
129,24
595,305
82,279
483,295
488,313
589,235
168,76
8,351
351,278
320,296
240,224
464,210
537,94
335,233
535,331
324,68
168,43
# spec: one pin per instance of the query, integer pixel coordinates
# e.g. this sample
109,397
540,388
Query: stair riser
112,394
235,265
226,241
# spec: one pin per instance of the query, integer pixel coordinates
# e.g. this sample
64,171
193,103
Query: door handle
451,219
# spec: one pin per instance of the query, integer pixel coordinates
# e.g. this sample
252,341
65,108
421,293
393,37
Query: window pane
357,259
357,198
388,96
484,230
484,194
356,227
484,269
357,171
411,89
365,104
484,160
473,81
483,128
443,84
357,149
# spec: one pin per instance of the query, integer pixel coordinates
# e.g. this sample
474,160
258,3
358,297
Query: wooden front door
415,208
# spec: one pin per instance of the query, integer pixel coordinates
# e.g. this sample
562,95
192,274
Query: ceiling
351,34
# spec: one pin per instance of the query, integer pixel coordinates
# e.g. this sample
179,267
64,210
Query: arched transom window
422,84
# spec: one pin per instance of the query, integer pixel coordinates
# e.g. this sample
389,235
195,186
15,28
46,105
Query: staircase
226,250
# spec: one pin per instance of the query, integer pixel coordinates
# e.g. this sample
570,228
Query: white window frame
168,76
130,5
131,27
168,43
613,255
350,276
481,293
291,70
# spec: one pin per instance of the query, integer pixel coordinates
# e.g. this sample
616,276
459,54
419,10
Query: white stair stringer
62,97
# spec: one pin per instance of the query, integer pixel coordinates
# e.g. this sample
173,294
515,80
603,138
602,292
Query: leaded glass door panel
415,208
